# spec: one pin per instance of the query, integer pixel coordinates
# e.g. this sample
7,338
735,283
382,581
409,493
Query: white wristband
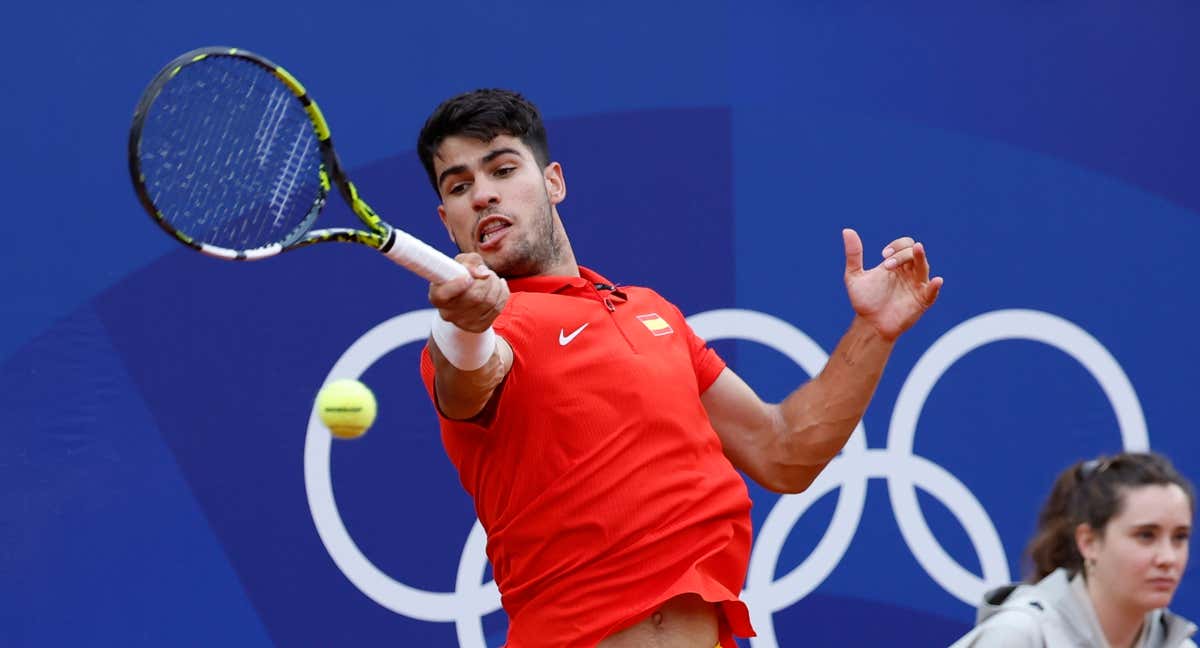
465,350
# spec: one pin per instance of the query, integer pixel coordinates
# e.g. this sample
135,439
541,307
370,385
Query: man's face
499,202
1141,554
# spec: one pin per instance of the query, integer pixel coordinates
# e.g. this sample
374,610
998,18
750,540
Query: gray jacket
1057,613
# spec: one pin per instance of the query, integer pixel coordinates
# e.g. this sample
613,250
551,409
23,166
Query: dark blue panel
1101,84
1044,152
100,538
826,620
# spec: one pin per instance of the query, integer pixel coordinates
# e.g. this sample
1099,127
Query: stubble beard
537,252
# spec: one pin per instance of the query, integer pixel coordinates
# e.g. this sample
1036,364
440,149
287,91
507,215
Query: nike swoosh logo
564,340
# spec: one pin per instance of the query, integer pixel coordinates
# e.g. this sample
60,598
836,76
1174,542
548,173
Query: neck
564,264
563,270
1121,625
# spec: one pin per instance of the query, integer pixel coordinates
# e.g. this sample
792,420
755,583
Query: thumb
854,250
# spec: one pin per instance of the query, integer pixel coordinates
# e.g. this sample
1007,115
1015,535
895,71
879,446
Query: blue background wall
155,404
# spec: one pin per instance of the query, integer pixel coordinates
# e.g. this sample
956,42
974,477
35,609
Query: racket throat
389,243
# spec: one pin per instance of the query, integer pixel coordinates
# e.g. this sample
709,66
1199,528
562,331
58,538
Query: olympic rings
471,601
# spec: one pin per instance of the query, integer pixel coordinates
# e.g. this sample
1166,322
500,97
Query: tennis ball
347,408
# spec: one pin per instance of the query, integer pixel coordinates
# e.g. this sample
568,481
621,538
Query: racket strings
230,156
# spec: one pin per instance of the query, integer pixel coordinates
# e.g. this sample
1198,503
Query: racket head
229,155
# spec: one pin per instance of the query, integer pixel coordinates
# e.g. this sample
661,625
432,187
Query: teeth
491,229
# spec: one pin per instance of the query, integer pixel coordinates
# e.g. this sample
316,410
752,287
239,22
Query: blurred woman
1110,548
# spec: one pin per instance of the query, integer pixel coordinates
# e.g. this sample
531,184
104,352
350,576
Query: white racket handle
465,350
417,256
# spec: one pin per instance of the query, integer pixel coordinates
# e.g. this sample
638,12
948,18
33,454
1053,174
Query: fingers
912,256
899,244
477,267
854,250
476,309
902,257
914,260
474,301
447,290
931,290
906,255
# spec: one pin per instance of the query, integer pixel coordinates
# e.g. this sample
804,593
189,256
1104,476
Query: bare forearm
818,418
785,446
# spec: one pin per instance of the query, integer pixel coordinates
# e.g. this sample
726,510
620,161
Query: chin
1153,600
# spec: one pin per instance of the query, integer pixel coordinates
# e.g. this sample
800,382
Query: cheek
1135,559
460,223
532,193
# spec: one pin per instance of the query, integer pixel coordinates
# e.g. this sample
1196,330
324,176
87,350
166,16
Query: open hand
893,295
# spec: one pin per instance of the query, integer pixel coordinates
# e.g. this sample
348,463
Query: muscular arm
785,446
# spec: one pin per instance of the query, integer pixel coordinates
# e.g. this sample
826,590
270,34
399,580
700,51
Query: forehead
1163,504
460,150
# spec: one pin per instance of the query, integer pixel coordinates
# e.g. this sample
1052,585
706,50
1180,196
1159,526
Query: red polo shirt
595,471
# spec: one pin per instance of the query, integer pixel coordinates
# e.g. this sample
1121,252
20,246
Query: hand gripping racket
230,156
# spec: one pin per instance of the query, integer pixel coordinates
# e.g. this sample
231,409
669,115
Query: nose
1168,555
484,194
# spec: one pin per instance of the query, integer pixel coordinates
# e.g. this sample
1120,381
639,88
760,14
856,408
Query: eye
1182,536
1145,534
506,170
457,188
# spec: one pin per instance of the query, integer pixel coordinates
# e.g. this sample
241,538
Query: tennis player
597,434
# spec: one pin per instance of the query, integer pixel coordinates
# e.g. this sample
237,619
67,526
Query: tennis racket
230,156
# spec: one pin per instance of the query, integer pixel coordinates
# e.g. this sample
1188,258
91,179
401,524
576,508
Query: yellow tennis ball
347,408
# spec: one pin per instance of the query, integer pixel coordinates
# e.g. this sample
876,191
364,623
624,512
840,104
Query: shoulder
1012,628
1176,630
648,298
1016,615
520,314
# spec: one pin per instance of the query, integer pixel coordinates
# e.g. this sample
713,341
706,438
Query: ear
441,210
556,185
1087,540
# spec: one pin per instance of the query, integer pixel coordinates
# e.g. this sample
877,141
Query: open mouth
490,230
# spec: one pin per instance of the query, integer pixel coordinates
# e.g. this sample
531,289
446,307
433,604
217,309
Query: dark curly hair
483,114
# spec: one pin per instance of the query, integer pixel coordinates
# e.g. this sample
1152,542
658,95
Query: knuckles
470,303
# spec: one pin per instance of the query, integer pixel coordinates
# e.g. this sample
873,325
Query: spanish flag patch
656,324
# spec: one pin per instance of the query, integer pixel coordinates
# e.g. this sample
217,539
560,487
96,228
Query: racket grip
418,257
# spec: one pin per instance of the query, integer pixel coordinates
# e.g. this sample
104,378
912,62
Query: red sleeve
427,371
705,362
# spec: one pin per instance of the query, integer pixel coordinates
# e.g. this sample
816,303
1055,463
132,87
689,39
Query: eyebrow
1156,525
492,155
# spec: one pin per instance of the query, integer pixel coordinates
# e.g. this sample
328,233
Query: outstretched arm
785,446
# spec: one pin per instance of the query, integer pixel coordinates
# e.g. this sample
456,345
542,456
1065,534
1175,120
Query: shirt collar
543,284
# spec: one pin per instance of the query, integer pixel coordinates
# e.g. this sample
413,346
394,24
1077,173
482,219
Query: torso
686,621
616,493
